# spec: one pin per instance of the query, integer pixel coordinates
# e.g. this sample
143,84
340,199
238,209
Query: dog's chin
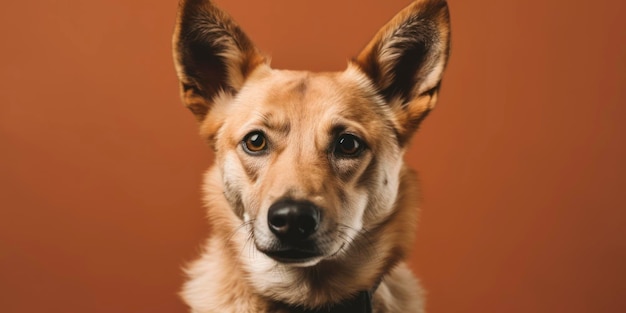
308,262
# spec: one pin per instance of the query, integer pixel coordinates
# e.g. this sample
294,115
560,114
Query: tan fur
369,201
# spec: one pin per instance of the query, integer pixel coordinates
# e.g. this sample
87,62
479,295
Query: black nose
293,221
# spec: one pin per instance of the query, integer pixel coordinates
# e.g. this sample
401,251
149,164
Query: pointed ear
406,59
211,54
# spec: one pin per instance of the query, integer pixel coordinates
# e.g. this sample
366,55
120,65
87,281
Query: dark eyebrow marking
337,128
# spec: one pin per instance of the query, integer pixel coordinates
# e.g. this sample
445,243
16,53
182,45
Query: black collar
361,303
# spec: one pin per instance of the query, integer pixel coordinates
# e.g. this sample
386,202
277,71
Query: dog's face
309,162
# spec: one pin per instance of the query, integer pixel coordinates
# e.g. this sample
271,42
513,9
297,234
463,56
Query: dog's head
310,161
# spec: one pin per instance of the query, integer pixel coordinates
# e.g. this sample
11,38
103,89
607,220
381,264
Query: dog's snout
293,221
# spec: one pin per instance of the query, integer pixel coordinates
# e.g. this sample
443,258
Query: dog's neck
361,303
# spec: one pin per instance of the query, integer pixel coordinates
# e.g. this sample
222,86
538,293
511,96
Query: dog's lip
338,250
292,255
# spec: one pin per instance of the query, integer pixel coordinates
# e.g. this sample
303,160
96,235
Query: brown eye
254,143
349,146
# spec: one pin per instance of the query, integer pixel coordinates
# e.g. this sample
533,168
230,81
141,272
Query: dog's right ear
211,53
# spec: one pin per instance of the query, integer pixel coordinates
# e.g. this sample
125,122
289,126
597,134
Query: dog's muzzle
294,223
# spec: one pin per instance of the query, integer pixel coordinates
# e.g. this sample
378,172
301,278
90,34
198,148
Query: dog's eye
254,142
348,145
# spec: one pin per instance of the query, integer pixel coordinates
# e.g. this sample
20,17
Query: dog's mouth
293,256
299,256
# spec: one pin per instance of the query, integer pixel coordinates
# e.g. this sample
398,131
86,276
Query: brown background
522,162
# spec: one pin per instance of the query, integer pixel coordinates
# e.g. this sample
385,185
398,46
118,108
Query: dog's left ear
406,59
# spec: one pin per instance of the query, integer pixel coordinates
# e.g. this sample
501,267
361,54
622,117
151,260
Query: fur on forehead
281,98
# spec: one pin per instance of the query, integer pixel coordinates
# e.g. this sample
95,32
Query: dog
310,204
